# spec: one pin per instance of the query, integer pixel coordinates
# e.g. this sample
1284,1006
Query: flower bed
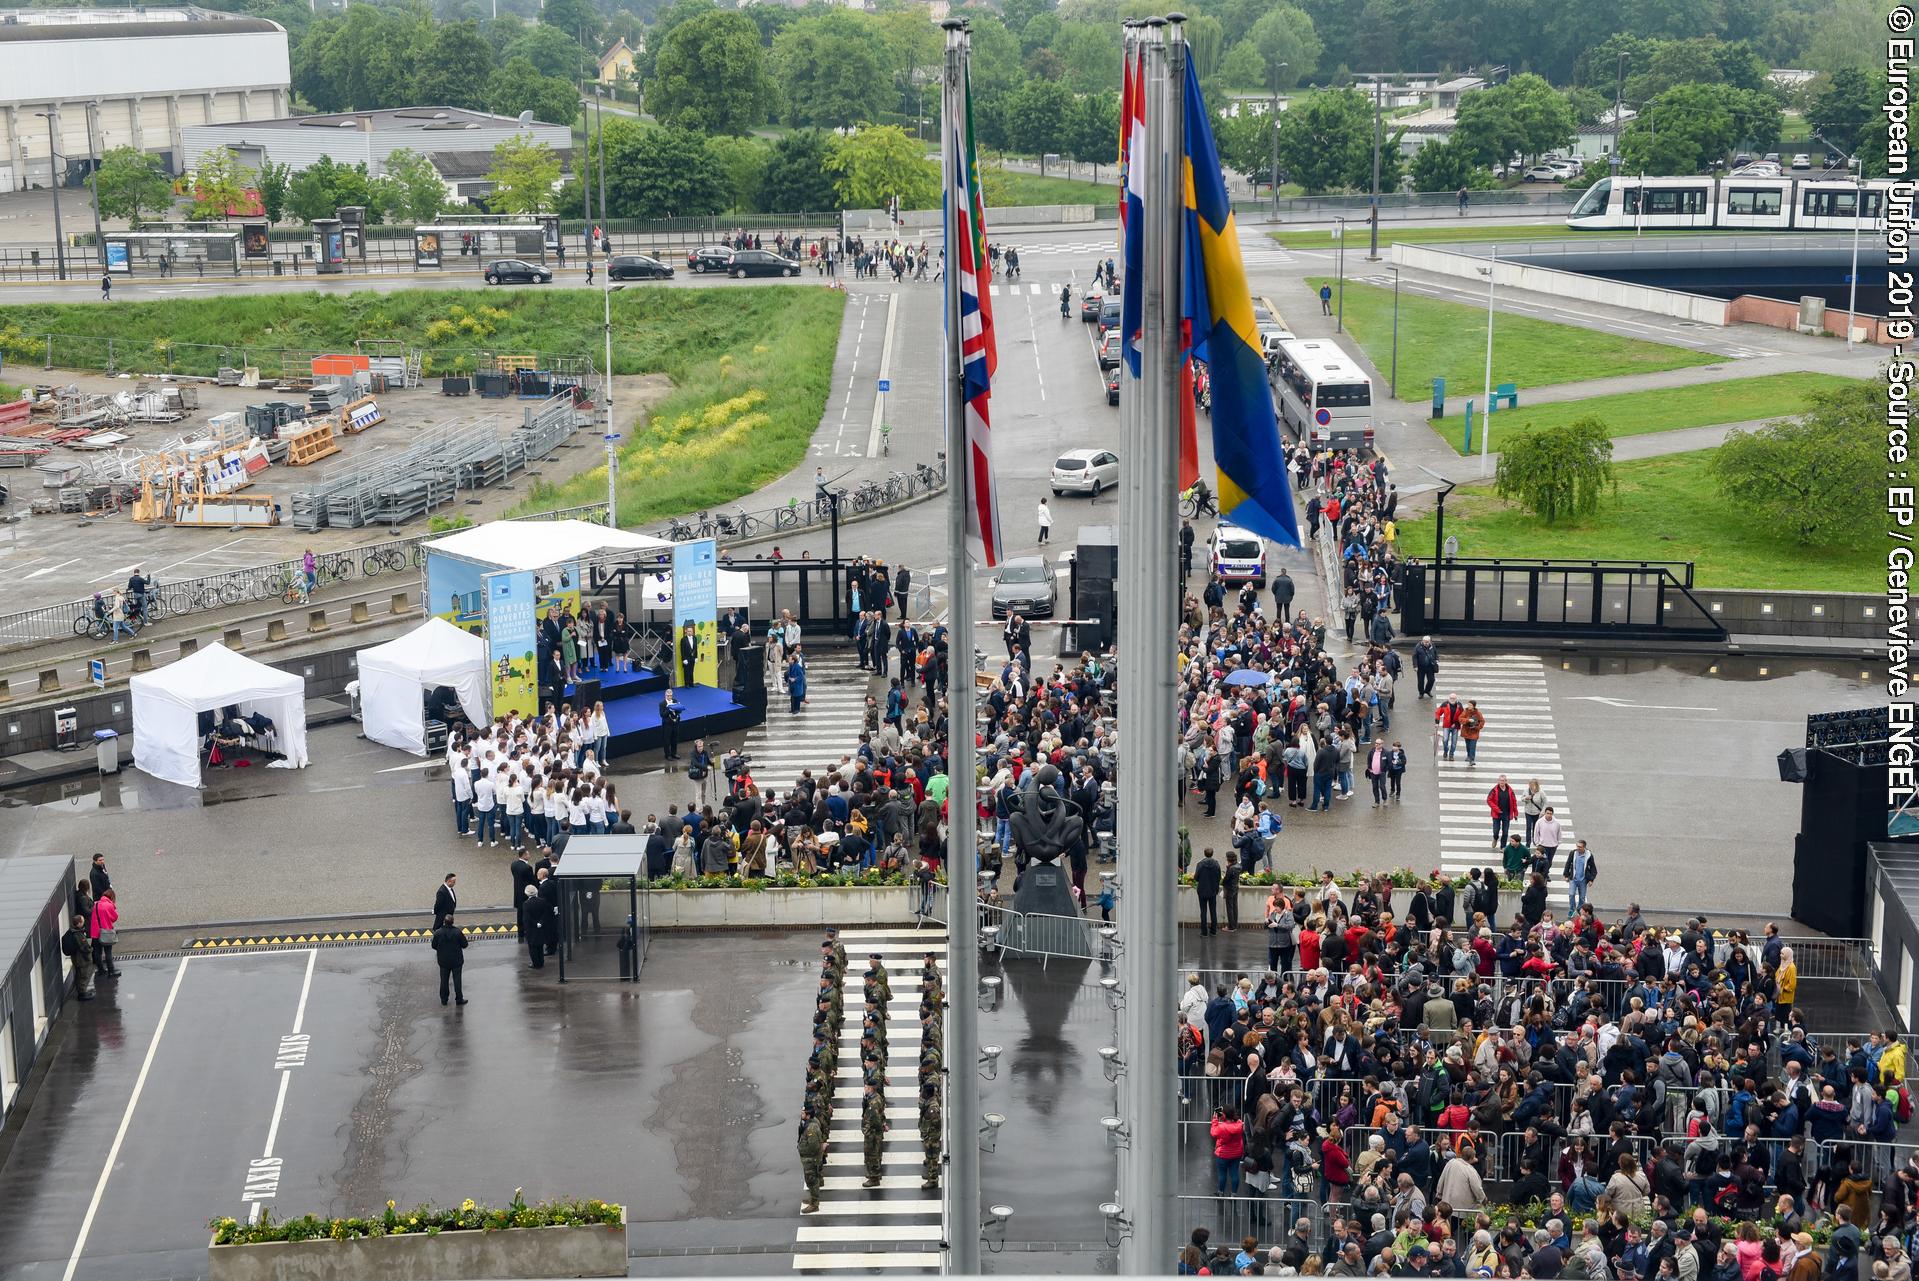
551,1238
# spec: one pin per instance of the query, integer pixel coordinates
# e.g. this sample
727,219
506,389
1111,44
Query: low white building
105,78
459,142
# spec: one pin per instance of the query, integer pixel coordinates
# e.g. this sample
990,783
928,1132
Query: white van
1237,555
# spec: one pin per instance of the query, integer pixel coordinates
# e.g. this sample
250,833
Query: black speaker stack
1842,810
1096,588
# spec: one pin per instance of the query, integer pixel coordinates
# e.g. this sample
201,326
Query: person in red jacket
1448,716
1504,803
1229,1148
1335,1168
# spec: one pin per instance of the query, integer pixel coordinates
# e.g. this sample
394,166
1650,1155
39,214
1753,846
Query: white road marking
126,1121
286,1074
886,367
49,569
1643,707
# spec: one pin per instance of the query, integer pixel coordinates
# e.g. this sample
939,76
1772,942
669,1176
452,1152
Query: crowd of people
1407,1067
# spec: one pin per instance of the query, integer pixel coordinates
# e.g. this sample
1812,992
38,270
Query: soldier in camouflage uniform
812,1157
873,1132
931,1133
876,980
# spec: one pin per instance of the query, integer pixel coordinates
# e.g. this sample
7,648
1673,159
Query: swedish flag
1217,312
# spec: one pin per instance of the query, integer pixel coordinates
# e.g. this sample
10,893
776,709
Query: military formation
816,1109
932,1059
822,1065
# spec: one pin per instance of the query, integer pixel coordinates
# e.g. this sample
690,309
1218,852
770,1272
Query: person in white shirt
536,808
576,809
600,732
484,792
595,812
462,794
513,801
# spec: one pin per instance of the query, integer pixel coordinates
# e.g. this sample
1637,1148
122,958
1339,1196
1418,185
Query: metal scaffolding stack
466,453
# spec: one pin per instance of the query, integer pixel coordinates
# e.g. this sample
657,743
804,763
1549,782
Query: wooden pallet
353,408
311,444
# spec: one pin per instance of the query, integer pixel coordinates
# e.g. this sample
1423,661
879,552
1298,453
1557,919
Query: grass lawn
1448,340
1667,509
1637,413
1357,237
751,367
1031,189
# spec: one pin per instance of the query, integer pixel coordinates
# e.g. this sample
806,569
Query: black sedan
1089,305
709,258
638,267
761,262
517,271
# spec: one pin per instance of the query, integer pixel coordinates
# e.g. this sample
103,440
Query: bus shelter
161,253
599,876
435,244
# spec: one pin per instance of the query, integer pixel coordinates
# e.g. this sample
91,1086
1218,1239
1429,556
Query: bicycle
1197,502
886,438
680,531
381,559
787,517
335,567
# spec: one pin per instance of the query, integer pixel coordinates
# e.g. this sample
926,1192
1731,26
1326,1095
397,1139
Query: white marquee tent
167,704
536,544
394,676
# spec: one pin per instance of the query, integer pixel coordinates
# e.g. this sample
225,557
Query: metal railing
1012,934
873,494
206,360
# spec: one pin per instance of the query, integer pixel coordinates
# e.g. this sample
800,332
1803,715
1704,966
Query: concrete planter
777,907
598,1251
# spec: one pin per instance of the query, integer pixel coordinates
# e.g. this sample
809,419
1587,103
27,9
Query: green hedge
422,1220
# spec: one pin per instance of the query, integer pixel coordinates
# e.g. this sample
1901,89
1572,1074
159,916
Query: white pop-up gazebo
656,590
167,704
394,676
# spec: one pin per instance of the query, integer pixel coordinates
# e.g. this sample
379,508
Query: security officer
873,1132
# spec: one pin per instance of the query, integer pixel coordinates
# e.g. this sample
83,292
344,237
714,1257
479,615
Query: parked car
1567,168
1109,312
1112,385
760,262
638,267
1801,160
1742,159
1834,160
1089,306
1109,348
1773,156
1540,173
506,271
1270,337
1085,471
709,258
1025,585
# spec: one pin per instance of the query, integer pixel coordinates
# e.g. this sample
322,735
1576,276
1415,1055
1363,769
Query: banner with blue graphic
696,609
511,643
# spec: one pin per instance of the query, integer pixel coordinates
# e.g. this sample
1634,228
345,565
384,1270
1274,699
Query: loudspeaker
585,694
1841,808
749,673
1792,765
1098,553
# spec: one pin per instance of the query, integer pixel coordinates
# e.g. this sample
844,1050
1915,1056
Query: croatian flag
1132,212
976,352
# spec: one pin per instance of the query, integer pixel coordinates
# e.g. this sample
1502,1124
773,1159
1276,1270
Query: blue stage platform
633,710
614,685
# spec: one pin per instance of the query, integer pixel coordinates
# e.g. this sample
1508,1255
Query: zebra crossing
854,1224
1519,741
827,728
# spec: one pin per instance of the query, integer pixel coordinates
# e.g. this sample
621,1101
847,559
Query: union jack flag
978,355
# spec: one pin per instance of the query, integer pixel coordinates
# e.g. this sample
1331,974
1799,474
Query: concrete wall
1836,615
1565,284
449,1256
1749,309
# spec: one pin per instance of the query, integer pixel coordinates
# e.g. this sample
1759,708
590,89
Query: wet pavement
676,1097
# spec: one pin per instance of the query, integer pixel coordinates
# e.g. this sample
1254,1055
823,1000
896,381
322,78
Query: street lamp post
1275,124
1395,376
599,123
1618,108
1339,234
1372,253
53,184
1486,407
586,179
606,394
93,154
1852,288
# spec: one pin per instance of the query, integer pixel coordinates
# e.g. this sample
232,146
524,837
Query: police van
1237,555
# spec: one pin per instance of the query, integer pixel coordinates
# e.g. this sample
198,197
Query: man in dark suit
882,641
902,589
523,876
689,653
1018,635
444,899
449,946
97,875
533,920
548,886
670,712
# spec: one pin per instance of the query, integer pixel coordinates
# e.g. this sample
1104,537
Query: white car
1085,471
1801,160
1270,337
1567,168
1237,555
1541,173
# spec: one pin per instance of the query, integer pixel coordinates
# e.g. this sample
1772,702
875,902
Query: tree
552,50
740,165
1326,143
1287,45
1090,56
1817,476
881,163
710,75
1241,68
1558,471
416,192
1846,107
457,71
519,87
131,183
1245,142
1448,166
275,179
830,72
524,175
659,171
1093,130
796,178
578,19
1206,45
1691,128
220,183
1039,118
1523,117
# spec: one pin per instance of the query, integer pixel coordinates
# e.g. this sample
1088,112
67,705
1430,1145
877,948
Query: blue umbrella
1247,676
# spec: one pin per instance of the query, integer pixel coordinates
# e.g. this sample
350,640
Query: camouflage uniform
812,1161
931,1133
873,1133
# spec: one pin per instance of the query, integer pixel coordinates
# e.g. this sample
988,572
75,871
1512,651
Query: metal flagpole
1148,610
962,849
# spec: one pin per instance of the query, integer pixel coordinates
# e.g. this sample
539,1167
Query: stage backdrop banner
512,659
696,600
453,592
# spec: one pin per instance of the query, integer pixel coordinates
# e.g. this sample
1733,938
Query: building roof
459,166
1459,84
619,47
23,25
397,119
